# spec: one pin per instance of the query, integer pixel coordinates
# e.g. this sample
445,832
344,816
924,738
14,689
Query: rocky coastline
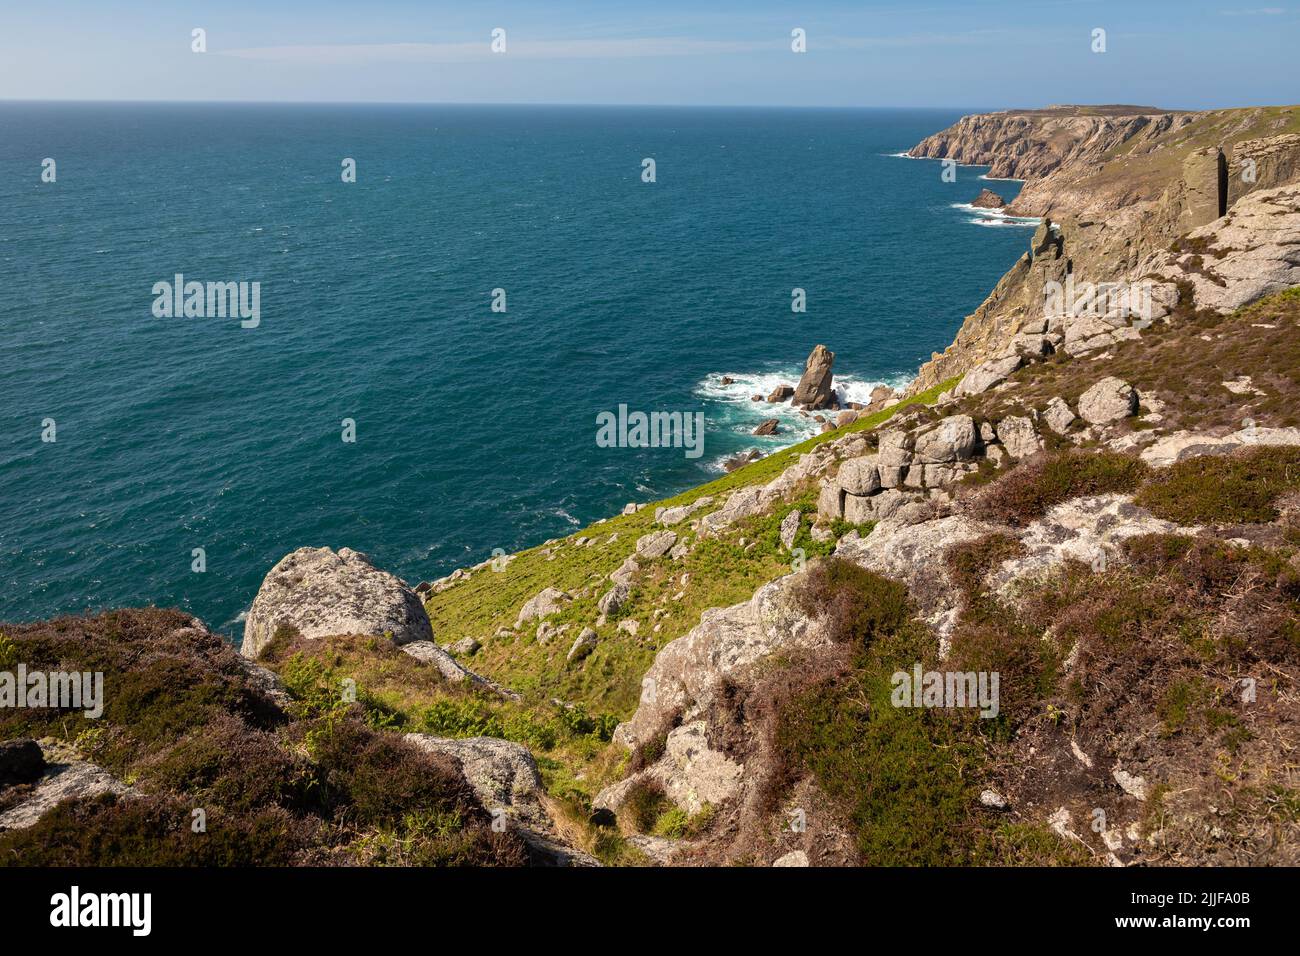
1096,500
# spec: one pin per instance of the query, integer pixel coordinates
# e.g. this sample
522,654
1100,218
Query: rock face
1018,436
1108,401
685,673
501,773
1032,143
1252,253
59,780
780,394
983,377
814,388
655,544
768,427
545,603
988,199
323,593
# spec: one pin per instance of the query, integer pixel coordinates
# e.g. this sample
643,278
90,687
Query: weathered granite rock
679,513
63,780
830,500
1256,252
859,476
913,552
267,681
546,602
613,600
988,199
583,645
1090,530
322,593
742,503
655,544
1018,436
451,669
1109,400
1058,415
501,773
789,529
814,388
685,673
951,439
769,426
780,394
987,374
465,647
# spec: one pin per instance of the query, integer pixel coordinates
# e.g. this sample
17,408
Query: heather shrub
1035,486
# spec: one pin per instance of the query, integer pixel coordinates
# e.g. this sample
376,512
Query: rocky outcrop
60,777
451,669
1108,401
546,602
988,199
504,777
1251,253
1027,144
322,593
1118,188
814,389
685,673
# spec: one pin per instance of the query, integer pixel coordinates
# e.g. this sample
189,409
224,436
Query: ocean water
474,429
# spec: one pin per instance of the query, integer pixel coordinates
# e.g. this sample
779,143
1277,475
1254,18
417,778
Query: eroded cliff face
1119,184
1030,144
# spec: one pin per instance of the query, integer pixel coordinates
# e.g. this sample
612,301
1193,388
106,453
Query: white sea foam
740,415
994,217
1000,179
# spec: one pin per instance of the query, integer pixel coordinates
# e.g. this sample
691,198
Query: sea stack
988,199
814,388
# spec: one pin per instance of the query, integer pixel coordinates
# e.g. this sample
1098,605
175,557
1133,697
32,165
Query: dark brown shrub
1033,487
857,605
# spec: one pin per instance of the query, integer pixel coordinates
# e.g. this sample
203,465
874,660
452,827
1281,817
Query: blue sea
474,429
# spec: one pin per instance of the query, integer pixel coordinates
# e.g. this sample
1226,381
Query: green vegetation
184,724
1242,488
906,778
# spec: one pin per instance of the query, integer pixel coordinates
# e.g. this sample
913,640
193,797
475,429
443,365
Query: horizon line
576,103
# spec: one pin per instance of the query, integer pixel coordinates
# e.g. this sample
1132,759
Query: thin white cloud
612,48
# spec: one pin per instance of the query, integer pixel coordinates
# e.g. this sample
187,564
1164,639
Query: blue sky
954,53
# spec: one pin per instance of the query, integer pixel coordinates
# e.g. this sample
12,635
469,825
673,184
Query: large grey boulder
501,773
1058,415
983,377
323,593
951,439
655,544
860,476
814,388
541,605
1018,436
1109,400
